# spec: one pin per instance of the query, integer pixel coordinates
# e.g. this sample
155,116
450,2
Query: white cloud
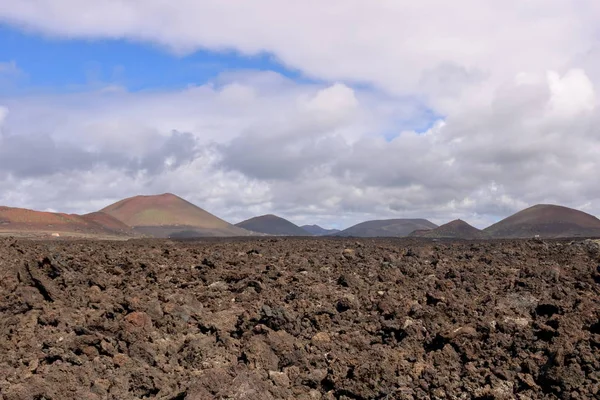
399,45
335,103
572,94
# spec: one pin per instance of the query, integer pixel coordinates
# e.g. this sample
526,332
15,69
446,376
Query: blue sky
68,65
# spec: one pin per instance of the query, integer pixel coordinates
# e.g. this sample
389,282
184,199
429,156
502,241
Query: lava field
298,318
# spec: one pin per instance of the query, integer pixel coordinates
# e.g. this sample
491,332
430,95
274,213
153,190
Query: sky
321,112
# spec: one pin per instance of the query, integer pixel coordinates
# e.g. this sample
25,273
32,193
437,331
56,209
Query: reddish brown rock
137,321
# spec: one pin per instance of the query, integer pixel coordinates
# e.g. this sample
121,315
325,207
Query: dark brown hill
166,215
272,225
387,228
457,229
546,221
316,230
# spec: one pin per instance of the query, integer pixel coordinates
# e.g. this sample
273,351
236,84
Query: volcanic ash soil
299,319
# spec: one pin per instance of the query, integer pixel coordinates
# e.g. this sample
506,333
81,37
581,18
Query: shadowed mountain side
316,230
547,221
109,222
457,229
188,232
166,214
272,225
387,228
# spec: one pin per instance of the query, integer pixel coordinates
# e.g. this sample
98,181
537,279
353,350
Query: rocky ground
299,319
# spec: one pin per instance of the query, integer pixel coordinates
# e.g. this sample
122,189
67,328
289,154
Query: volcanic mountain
387,228
272,225
457,229
167,215
547,221
20,221
316,230
108,222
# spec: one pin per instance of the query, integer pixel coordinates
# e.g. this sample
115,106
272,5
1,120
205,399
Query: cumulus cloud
523,148
572,94
37,141
299,142
334,104
229,123
307,158
40,155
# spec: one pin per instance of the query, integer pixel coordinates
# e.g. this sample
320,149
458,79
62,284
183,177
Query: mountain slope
21,221
547,221
272,225
387,228
166,215
316,230
108,222
457,229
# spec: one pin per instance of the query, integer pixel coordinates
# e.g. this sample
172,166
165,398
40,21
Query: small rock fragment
279,379
321,338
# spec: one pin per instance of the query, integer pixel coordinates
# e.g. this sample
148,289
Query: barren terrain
299,319
29,223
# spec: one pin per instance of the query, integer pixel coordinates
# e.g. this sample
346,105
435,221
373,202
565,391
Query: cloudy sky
328,112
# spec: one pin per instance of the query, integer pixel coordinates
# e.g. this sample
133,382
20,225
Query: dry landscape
299,200
170,216
293,318
445,312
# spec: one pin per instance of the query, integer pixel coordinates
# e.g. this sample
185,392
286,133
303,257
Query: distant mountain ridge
316,230
387,228
168,215
457,229
272,225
